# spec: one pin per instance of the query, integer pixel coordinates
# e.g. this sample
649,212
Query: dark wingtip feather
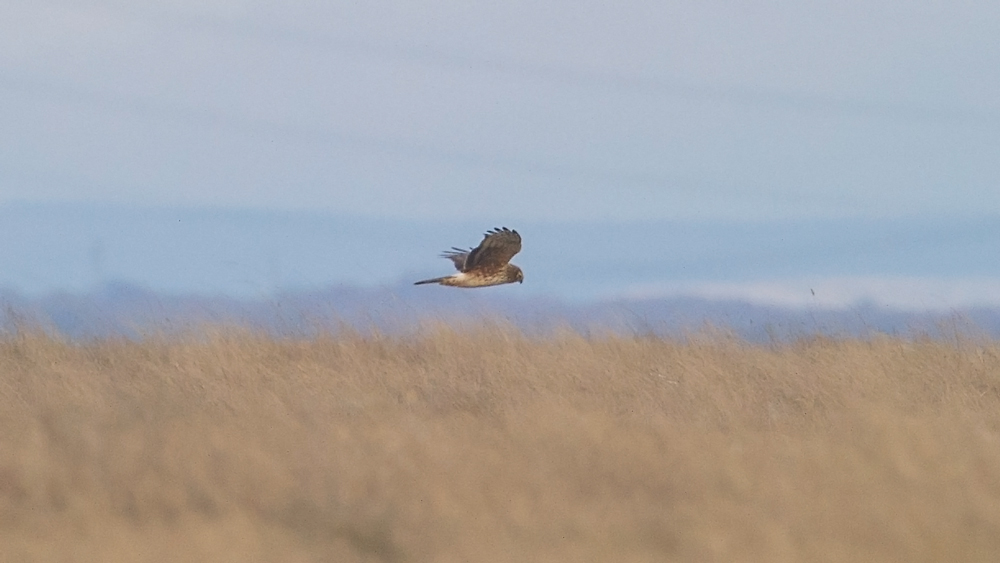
499,230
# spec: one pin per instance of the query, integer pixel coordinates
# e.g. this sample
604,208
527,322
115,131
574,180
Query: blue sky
518,111
462,116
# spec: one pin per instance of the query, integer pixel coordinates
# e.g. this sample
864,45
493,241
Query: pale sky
517,110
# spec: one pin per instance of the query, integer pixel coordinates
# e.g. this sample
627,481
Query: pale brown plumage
487,264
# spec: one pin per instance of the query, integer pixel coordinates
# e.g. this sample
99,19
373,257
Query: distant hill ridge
123,309
252,253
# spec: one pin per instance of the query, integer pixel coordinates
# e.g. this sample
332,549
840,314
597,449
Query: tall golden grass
489,445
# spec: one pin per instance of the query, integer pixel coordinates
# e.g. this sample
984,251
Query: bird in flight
486,264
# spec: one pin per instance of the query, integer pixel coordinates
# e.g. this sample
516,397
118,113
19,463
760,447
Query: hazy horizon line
831,293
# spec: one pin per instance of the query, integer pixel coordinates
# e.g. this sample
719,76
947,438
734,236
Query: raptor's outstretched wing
457,256
498,247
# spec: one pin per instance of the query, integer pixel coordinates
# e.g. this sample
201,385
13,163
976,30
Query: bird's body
487,264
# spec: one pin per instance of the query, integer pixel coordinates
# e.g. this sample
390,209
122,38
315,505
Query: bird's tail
435,280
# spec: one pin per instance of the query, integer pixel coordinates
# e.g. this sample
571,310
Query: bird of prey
486,264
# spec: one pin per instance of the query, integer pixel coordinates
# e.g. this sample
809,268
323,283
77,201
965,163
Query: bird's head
513,274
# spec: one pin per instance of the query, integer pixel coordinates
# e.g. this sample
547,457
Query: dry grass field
489,445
